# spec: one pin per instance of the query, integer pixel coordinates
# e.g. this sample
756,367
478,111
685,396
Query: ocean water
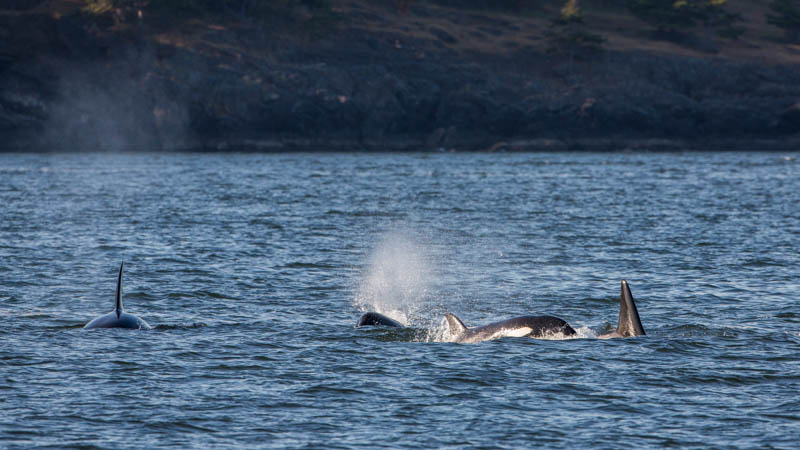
254,268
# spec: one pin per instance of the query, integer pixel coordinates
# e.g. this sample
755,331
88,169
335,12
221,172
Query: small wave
269,223
388,214
74,326
109,247
169,260
601,300
15,170
457,209
140,295
304,265
389,334
700,330
214,295
167,327
36,315
180,426
234,367
324,389
761,262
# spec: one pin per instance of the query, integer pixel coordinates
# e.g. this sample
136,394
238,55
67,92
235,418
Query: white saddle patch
514,332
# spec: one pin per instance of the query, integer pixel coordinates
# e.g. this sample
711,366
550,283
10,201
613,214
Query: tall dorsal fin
629,323
455,324
118,308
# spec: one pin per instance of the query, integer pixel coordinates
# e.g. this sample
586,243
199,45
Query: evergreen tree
680,15
787,16
569,35
664,15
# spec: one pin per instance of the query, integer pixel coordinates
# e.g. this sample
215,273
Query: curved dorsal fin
629,323
118,308
455,324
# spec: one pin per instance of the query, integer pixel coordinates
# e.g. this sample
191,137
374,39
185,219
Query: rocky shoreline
64,87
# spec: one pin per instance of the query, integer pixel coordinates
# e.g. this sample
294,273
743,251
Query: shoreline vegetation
472,75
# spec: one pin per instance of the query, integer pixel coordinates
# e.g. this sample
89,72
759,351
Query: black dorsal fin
118,308
455,324
629,323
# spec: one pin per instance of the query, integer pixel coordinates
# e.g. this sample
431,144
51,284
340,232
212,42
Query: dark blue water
254,268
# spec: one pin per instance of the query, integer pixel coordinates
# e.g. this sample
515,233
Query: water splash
437,332
398,279
584,332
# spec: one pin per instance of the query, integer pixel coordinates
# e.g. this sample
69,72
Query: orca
546,326
118,318
531,326
629,323
373,318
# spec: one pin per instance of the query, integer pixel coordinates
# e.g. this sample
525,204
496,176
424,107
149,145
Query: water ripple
253,270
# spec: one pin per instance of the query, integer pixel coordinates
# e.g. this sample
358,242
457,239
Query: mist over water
122,104
253,270
398,279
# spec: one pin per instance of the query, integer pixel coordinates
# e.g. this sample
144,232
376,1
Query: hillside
374,75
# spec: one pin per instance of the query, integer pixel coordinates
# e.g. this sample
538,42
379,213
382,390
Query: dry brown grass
623,32
490,32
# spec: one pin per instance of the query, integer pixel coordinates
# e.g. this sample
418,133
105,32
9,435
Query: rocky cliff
372,82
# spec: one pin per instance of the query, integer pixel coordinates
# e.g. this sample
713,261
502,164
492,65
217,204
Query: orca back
373,319
111,320
543,326
118,318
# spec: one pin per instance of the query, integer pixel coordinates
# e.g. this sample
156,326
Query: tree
568,33
568,37
120,10
675,16
250,10
787,16
664,15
